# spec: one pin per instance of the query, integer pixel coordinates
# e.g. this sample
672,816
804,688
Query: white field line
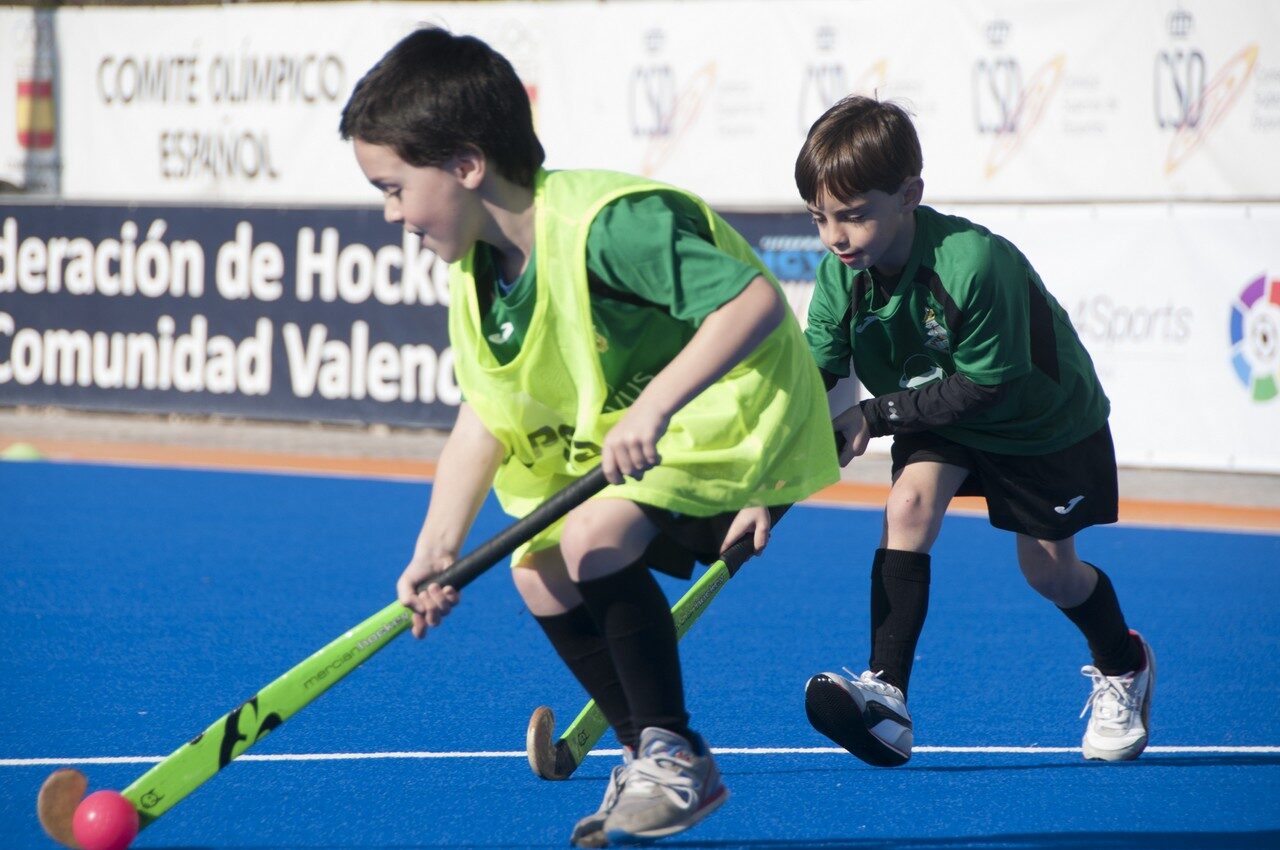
737,751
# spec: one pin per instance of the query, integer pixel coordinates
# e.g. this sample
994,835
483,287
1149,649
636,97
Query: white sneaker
589,832
1121,710
671,785
866,716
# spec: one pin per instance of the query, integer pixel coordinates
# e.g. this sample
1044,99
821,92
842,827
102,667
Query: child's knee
580,536
544,584
1053,574
908,508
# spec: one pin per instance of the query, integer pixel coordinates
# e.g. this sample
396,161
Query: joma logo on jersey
935,334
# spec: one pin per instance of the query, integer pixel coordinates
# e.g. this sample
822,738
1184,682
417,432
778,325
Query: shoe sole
1136,749
834,713
589,833
621,837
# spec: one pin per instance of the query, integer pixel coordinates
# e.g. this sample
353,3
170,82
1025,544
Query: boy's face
436,203
872,228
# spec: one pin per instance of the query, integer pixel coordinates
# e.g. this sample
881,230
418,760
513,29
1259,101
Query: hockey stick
189,766
561,759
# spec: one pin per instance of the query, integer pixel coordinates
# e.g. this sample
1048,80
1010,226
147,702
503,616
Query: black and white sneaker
866,716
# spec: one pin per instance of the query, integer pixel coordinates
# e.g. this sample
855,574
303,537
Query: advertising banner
325,315
1053,100
328,314
1179,308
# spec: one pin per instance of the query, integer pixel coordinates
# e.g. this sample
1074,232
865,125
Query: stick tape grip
466,569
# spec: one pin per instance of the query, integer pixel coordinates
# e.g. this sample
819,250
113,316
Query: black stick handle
744,547
471,566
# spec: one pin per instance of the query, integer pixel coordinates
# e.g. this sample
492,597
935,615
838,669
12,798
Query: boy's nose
832,237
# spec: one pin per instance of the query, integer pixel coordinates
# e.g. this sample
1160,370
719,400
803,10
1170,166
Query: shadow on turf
1139,764
1262,840
1150,761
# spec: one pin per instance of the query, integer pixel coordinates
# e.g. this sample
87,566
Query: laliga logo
1004,105
659,109
1185,102
1255,338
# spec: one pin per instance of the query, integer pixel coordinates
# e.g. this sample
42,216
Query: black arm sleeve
931,406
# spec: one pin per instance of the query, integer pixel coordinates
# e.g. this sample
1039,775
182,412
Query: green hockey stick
192,764
560,759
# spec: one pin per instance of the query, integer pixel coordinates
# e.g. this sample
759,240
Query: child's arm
464,474
727,335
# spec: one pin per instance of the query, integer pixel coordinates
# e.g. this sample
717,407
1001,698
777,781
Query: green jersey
967,302
654,274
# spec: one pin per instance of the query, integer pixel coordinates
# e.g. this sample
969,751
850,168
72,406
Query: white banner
1179,308
1111,100
235,104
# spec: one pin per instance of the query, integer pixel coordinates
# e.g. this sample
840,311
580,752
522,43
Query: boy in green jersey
595,319
979,376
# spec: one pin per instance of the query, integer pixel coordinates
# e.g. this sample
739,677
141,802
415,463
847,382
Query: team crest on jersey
602,344
936,334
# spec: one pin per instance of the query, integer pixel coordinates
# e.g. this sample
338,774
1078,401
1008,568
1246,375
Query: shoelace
617,778
872,681
666,773
1111,699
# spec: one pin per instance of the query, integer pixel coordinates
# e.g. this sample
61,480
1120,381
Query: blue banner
326,314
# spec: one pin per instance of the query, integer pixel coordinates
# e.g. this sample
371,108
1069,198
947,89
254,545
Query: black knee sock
1100,619
579,643
899,603
635,619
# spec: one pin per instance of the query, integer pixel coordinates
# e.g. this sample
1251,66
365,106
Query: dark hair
435,94
858,145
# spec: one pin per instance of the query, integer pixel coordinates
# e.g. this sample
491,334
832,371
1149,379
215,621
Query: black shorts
684,540
1048,497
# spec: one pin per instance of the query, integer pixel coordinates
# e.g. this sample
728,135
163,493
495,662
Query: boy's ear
912,193
469,165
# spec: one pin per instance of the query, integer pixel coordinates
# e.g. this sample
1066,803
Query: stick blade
549,758
56,804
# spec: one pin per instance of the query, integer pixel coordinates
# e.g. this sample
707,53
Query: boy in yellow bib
595,318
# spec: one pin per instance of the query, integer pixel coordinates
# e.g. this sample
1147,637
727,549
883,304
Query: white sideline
490,754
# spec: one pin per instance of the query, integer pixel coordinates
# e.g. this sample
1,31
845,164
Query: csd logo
1179,88
997,94
824,80
652,100
824,84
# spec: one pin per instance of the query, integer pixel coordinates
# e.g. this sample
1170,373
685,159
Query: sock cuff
904,565
1102,591
574,621
607,586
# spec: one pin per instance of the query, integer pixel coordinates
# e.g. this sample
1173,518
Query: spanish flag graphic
35,114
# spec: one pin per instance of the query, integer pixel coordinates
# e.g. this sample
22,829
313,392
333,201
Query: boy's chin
446,253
